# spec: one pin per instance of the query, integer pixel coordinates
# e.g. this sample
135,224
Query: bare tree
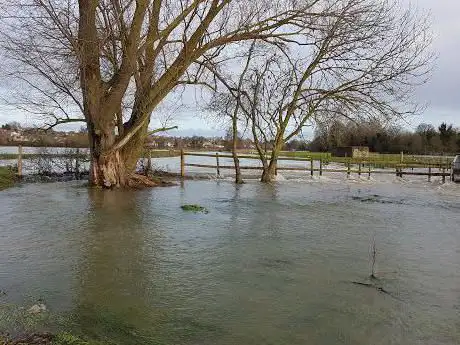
226,108
360,59
227,103
130,52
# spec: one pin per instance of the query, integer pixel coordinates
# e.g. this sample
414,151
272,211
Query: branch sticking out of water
373,258
378,288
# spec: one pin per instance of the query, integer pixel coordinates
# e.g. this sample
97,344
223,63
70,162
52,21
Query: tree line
426,139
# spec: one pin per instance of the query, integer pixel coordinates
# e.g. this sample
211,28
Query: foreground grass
69,339
63,338
7,177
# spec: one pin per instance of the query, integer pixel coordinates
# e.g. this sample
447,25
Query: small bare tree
227,104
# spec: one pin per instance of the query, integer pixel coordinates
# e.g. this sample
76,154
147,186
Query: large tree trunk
108,171
269,172
107,168
113,168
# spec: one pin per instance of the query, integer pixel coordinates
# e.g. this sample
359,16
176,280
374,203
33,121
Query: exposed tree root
137,181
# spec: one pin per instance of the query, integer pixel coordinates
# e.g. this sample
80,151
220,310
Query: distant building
17,137
207,144
351,151
151,144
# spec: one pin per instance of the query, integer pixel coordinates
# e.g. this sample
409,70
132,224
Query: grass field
162,153
374,158
325,156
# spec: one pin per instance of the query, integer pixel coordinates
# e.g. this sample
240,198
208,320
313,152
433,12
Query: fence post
20,160
182,163
77,164
311,166
359,169
348,168
443,174
369,176
149,162
402,157
217,164
320,167
429,174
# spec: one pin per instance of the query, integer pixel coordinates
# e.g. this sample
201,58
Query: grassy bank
162,153
374,158
7,177
325,156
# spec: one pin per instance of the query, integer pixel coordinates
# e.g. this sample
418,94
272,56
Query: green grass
307,154
69,339
7,177
162,153
381,159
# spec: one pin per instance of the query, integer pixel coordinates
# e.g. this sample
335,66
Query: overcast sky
441,93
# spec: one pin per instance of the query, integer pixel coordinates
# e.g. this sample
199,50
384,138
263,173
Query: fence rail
361,167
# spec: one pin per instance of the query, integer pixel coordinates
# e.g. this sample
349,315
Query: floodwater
269,264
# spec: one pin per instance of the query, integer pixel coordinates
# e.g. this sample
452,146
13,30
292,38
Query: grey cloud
441,91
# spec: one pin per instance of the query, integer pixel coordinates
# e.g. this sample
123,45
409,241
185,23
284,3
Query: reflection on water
270,264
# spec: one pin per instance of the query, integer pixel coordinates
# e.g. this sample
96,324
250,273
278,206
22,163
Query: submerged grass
93,325
45,338
7,177
65,338
194,208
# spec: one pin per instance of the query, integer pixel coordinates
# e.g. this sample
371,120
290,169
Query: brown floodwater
269,264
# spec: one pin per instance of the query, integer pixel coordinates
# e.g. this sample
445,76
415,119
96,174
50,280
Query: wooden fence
360,167
364,167
76,156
